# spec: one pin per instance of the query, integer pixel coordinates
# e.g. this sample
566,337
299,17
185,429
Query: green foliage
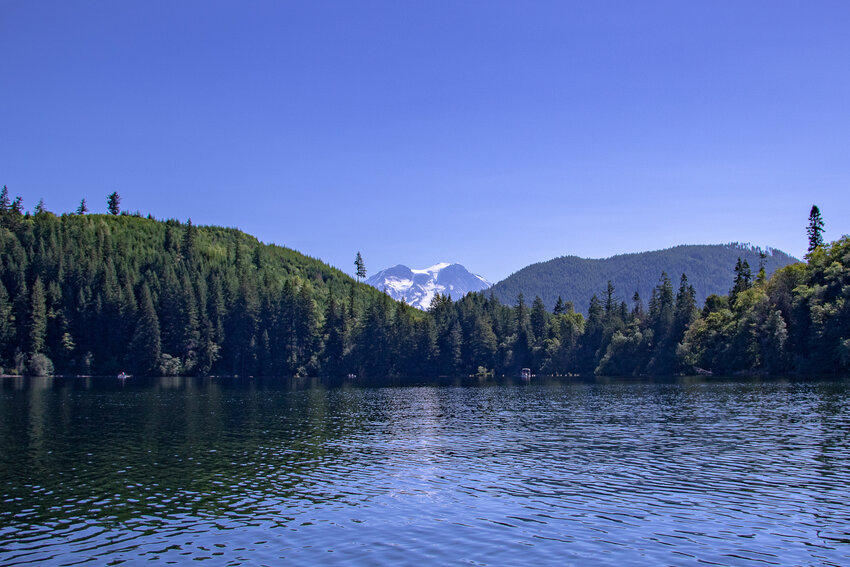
110,293
106,293
359,266
743,278
7,320
815,229
797,321
38,318
113,202
145,347
39,365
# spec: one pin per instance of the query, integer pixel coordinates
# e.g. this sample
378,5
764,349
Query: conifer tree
216,312
113,202
83,208
638,310
360,267
686,308
538,319
38,318
761,278
374,344
306,328
334,334
7,329
427,347
190,237
661,322
455,348
145,345
661,309
521,311
208,352
242,326
595,313
351,303
560,309
592,338
743,278
191,336
485,344
4,199
815,228
610,300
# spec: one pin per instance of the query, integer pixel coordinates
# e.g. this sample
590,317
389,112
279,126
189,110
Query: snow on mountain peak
433,269
417,287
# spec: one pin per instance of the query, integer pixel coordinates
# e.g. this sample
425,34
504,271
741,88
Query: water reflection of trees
166,446
236,450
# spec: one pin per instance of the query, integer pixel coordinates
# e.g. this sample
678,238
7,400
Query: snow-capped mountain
418,287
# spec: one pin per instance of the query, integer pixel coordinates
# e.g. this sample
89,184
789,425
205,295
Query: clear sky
494,134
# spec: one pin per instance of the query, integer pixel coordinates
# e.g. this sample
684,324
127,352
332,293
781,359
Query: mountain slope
710,269
418,287
99,294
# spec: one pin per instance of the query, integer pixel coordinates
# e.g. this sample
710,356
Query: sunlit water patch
682,472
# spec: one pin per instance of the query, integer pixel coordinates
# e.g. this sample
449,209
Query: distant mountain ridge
418,287
709,267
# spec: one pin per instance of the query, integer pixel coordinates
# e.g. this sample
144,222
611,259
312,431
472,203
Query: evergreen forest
85,294
578,279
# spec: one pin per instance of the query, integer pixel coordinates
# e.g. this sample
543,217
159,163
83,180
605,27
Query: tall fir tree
743,278
560,309
190,238
360,267
761,278
638,311
538,319
144,352
815,228
38,318
7,321
113,203
610,300
686,309
334,339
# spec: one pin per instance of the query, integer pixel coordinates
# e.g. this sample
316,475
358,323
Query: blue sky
494,134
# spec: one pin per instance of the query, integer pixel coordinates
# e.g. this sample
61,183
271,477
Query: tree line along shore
88,293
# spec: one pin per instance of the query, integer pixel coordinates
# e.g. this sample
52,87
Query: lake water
250,472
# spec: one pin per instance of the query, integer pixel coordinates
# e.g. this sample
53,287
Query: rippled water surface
168,470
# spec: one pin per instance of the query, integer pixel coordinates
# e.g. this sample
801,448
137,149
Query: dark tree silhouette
360,266
815,228
113,202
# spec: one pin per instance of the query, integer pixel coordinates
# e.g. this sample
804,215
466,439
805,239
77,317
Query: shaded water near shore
245,472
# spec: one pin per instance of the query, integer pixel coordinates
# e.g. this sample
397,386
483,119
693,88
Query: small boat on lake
526,374
123,376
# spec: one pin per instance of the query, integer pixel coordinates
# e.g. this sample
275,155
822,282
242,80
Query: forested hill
709,269
95,294
102,294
